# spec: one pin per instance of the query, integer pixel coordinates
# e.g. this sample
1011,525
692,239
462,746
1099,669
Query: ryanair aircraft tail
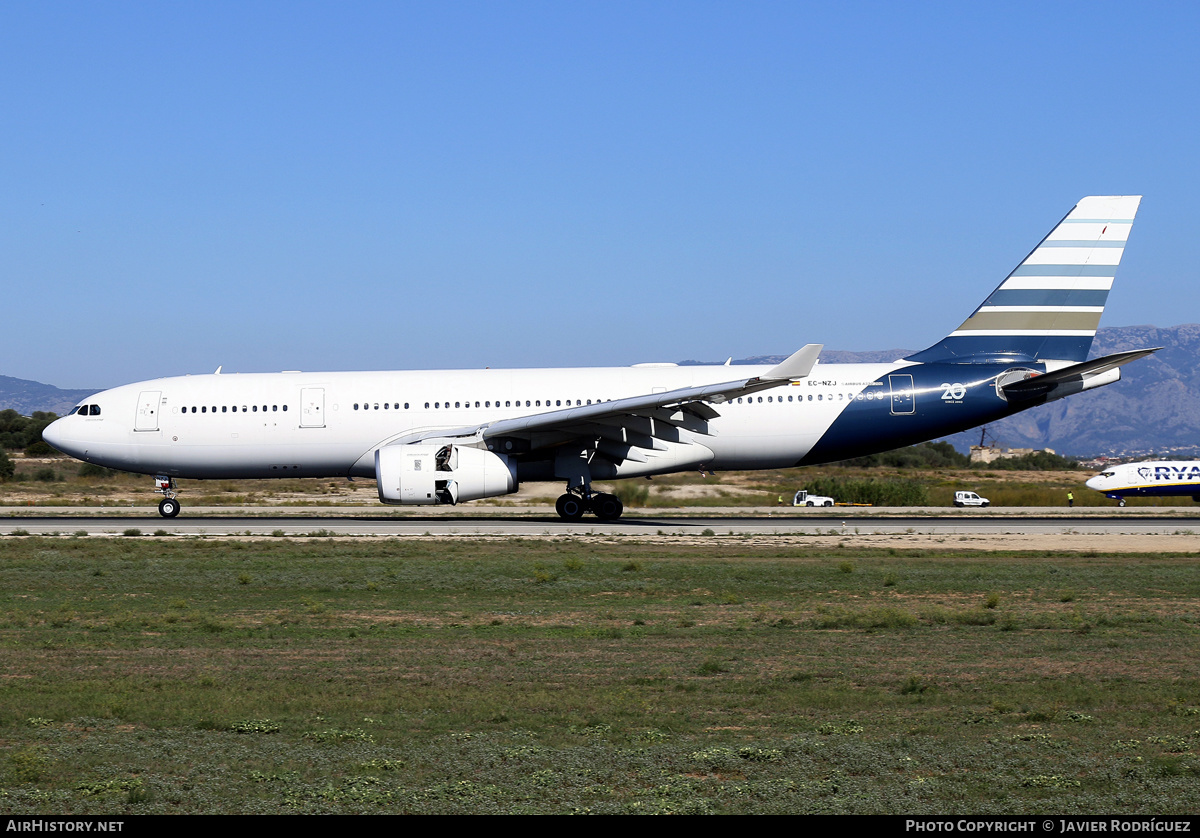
1048,308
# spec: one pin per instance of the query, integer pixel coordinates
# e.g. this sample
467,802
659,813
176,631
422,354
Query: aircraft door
147,411
312,407
904,401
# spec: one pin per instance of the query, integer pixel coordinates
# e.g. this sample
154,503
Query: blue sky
297,185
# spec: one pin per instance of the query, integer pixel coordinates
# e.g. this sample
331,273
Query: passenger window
224,408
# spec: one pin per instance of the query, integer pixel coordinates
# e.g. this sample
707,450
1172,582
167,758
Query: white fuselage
1160,478
330,424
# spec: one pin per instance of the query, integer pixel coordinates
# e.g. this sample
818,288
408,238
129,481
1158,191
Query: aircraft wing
622,426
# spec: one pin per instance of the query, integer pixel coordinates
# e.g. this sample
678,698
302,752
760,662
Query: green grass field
723,675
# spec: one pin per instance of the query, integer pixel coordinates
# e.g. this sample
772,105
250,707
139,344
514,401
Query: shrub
925,455
871,490
1037,461
632,494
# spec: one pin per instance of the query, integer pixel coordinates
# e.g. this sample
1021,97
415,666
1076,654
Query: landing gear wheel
168,507
607,507
1121,502
570,507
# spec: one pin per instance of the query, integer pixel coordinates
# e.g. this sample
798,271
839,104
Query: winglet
798,365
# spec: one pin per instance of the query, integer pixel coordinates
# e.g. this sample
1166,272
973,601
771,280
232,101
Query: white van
969,499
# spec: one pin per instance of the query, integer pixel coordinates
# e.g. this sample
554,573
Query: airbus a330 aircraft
450,436
1149,480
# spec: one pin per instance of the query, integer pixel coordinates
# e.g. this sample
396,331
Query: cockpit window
94,410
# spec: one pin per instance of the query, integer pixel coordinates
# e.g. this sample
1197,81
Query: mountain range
1153,410
26,397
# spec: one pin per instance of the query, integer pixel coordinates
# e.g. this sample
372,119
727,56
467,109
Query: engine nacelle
426,474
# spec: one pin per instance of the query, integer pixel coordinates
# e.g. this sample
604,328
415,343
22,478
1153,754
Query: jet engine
426,474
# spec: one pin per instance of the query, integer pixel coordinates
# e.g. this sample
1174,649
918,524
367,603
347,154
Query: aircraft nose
1093,483
56,435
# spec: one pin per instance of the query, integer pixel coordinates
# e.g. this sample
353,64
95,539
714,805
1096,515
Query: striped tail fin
1049,307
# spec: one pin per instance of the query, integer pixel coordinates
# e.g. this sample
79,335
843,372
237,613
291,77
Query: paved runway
258,521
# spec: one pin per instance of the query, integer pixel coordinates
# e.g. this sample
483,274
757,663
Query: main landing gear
168,507
573,504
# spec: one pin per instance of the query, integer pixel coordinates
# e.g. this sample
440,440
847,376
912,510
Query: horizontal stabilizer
1080,371
1074,378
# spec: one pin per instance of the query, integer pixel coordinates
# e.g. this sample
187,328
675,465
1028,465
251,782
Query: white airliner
450,436
1149,480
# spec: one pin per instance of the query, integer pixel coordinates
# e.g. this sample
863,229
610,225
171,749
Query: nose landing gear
168,507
